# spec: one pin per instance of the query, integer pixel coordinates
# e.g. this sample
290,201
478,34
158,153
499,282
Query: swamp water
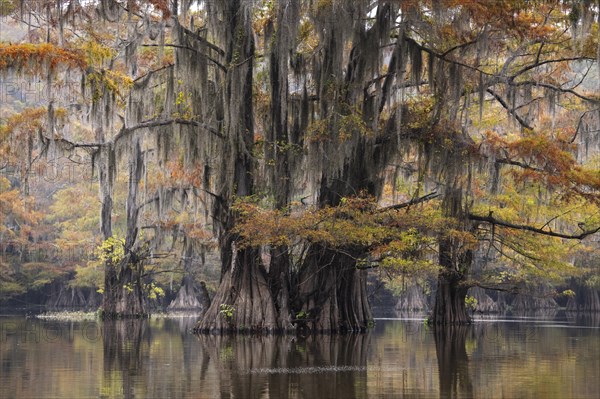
538,357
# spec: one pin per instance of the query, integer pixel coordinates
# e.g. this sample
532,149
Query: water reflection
453,362
159,358
286,366
123,361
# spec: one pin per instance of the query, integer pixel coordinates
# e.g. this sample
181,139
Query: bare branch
512,111
217,63
497,222
414,201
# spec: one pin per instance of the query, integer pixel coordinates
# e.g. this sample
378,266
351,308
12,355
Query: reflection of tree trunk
268,366
453,363
122,340
334,353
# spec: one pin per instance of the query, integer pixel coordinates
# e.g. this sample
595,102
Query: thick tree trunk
63,296
331,294
586,299
485,304
523,303
243,302
190,298
412,299
279,270
449,307
125,299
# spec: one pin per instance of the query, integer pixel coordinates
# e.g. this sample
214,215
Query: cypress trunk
243,302
449,307
189,297
123,293
332,294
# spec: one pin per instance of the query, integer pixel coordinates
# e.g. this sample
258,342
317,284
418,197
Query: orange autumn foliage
33,57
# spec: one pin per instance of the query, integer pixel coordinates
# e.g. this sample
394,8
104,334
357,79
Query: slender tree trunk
123,286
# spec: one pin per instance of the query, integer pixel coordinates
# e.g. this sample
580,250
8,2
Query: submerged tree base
301,331
121,316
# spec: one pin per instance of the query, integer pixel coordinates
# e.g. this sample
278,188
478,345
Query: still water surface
548,357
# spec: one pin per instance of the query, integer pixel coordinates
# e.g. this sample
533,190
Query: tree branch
413,201
556,88
217,63
497,222
165,122
512,111
523,165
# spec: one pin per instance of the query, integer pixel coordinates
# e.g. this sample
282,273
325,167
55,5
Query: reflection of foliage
226,353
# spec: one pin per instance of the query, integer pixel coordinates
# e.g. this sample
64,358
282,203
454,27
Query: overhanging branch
497,222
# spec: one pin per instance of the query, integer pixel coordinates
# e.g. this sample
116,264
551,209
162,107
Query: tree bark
449,307
189,297
331,294
243,301
586,299
123,286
